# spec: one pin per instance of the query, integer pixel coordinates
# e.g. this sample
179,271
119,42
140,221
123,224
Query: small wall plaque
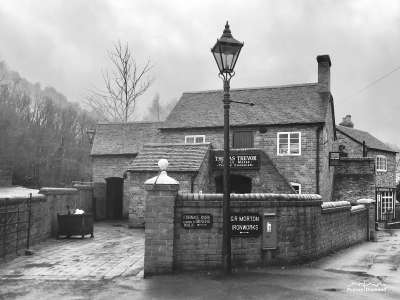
196,221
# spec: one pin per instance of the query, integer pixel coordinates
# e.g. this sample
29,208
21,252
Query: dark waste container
70,225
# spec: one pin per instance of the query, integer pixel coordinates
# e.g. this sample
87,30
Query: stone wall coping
335,206
249,197
358,209
365,201
58,191
15,200
83,187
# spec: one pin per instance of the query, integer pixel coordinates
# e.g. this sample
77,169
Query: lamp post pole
226,52
226,237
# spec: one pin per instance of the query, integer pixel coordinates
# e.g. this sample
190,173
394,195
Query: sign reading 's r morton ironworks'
238,161
245,224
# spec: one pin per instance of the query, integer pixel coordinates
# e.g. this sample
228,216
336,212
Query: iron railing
15,226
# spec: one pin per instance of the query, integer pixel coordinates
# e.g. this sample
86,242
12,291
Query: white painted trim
376,163
288,133
194,138
298,185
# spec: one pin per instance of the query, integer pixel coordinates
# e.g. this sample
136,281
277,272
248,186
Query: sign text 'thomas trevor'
245,224
238,161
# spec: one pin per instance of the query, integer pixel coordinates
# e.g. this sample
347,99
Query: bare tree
123,87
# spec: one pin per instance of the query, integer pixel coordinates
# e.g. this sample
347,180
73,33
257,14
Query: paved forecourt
115,251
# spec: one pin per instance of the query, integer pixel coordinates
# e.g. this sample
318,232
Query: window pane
199,140
189,140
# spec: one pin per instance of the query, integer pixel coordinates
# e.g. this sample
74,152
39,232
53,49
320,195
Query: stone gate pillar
370,204
159,228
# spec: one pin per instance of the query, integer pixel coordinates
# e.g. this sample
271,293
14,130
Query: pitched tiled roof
181,157
273,105
360,136
124,138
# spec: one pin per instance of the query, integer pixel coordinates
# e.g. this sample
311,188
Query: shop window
381,163
289,143
243,139
239,184
297,187
195,139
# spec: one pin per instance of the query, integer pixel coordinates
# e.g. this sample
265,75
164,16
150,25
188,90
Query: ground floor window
385,204
239,184
297,187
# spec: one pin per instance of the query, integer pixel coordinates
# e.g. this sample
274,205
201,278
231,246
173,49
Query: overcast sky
64,44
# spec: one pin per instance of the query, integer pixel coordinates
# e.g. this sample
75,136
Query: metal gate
15,227
385,198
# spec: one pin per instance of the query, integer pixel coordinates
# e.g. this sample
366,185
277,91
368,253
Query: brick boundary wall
306,229
44,209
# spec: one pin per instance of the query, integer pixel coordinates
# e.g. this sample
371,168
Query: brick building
357,143
279,145
115,146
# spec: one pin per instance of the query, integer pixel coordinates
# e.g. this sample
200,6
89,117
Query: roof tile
124,138
273,105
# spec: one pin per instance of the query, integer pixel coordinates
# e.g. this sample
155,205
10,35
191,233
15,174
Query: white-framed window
297,187
195,139
289,143
381,163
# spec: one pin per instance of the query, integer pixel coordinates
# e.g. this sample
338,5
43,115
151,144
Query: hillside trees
118,101
158,110
45,142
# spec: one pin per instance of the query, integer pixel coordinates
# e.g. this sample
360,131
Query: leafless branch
123,87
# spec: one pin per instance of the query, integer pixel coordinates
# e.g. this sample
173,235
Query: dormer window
381,163
195,139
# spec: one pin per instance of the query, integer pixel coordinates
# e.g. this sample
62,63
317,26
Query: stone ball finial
163,164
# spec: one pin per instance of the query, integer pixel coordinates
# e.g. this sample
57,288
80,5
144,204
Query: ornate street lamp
226,52
90,133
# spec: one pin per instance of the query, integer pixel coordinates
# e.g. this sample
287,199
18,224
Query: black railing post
27,251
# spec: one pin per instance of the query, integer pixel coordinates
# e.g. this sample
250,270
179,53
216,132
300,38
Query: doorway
239,184
114,203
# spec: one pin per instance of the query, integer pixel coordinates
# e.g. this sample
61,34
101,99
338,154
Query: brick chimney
347,122
324,73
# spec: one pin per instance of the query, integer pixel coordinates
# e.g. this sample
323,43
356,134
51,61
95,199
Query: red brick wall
106,166
383,179
354,179
300,169
304,230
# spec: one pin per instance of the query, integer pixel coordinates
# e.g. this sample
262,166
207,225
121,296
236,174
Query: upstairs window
243,139
381,163
289,143
297,187
195,139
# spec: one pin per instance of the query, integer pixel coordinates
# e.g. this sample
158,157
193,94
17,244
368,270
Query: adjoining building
282,145
357,143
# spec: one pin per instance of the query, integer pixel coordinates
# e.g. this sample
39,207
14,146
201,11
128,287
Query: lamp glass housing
226,51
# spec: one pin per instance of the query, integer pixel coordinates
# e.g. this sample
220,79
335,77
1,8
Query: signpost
245,224
238,161
197,221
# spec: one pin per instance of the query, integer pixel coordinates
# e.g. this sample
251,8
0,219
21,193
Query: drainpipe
364,150
317,160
